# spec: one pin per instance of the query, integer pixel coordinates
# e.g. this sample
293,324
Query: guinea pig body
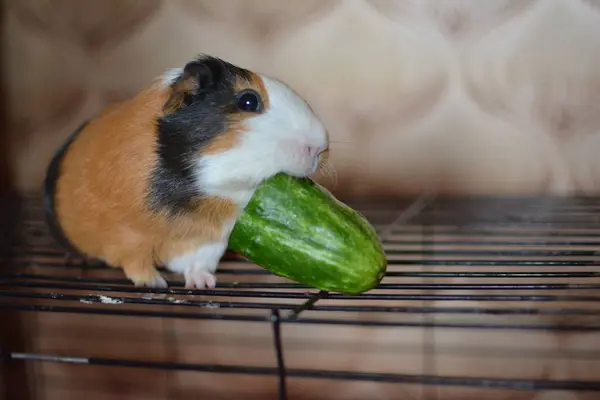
163,177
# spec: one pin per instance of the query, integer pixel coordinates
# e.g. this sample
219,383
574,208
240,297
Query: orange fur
184,86
257,84
110,217
230,138
225,141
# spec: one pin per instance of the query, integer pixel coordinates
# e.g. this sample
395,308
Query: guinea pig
161,178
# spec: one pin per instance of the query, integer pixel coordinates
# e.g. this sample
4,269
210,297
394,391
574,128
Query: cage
485,298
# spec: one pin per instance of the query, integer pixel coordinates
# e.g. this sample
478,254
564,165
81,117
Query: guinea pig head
225,129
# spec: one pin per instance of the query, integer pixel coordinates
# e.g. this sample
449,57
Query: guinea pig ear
180,92
203,72
196,76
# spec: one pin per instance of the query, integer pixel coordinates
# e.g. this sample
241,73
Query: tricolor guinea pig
162,178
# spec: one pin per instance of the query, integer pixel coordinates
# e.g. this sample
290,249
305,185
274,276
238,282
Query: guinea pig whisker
328,170
340,142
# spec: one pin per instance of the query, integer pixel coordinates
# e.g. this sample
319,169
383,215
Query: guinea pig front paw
197,276
142,275
157,282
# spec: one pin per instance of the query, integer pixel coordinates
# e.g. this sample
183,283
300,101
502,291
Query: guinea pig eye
249,101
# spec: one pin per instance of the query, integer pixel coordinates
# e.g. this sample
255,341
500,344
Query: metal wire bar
90,299
470,231
281,371
312,321
301,295
515,384
398,274
268,285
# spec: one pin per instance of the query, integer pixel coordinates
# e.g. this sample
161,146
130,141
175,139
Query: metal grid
533,261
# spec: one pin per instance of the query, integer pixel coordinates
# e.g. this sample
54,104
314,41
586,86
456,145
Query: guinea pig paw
200,279
158,282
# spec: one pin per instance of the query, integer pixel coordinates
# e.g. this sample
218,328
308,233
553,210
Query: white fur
274,141
199,266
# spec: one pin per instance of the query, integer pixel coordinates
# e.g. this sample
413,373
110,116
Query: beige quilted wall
438,95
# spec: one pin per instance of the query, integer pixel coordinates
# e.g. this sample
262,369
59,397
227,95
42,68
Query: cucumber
296,229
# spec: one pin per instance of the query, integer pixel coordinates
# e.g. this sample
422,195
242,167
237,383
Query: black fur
52,175
203,115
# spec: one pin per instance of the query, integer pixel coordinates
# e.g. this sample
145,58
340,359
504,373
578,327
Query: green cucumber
296,229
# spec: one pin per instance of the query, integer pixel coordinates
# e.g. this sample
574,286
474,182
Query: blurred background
447,96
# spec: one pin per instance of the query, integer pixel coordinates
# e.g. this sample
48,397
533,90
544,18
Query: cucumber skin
296,229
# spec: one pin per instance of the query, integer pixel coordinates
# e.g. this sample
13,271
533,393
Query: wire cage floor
484,298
